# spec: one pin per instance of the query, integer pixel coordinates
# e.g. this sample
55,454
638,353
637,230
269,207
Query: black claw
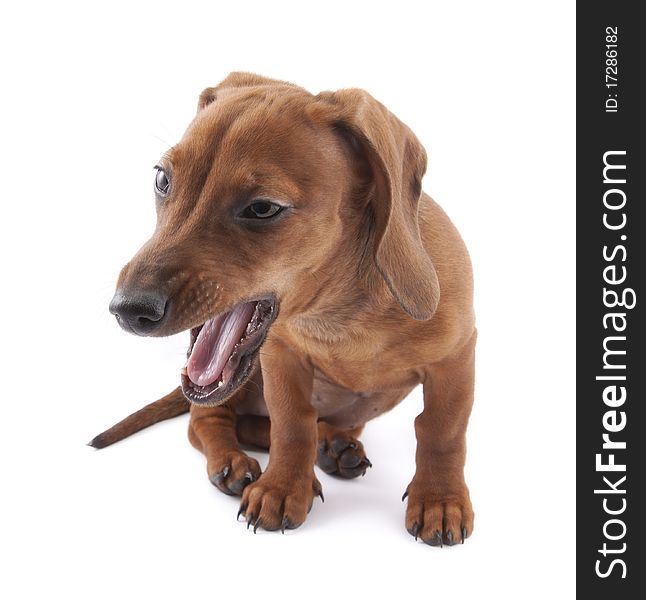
236,487
320,494
405,495
287,524
414,530
257,524
241,511
436,540
464,534
368,462
449,538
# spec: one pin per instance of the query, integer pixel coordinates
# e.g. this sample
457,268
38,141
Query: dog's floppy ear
237,79
398,162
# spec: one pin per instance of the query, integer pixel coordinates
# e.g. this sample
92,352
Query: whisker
259,388
163,141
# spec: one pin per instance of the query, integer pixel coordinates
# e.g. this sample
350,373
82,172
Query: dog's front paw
438,518
277,502
233,472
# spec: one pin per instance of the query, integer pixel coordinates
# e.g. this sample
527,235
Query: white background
91,97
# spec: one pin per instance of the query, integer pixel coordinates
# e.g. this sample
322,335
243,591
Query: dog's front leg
439,509
283,495
212,430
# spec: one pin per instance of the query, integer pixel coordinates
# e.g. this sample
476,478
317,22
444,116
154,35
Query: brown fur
375,291
170,406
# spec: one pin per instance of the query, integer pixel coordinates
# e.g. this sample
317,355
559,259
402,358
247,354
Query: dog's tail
172,405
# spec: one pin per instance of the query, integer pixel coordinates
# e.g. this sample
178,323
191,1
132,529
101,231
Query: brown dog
321,285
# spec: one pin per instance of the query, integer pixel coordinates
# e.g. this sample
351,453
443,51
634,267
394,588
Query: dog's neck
347,290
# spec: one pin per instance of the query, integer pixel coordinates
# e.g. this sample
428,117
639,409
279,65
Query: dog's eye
162,182
261,209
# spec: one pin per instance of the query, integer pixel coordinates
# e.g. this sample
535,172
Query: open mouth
222,351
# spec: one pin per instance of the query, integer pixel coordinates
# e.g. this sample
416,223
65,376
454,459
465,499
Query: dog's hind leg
253,430
212,430
340,452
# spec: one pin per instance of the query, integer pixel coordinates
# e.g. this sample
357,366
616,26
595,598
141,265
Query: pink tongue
215,343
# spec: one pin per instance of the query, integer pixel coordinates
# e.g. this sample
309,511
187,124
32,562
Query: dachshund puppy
320,285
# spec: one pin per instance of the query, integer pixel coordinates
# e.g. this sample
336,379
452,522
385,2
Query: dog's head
269,186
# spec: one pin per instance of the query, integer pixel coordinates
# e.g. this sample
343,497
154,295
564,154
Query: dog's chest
329,397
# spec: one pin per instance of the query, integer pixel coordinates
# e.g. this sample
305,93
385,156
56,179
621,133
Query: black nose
138,311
